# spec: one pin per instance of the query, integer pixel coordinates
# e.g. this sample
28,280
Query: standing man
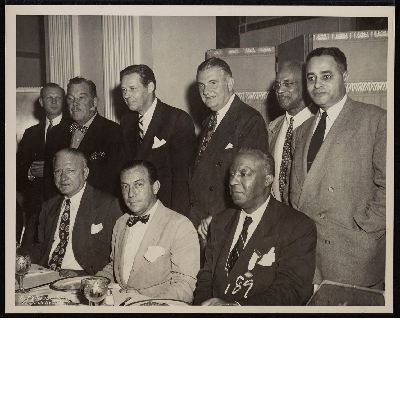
262,254
231,126
338,176
155,251
75,227
31,154
159,133
97,137
289,84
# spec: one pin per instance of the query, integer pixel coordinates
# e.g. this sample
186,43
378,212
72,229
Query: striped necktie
286,157
316,140
212,123
141,129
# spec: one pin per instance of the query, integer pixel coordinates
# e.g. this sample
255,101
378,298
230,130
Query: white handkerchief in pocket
158,143
153,252
229,146
96,228
268,259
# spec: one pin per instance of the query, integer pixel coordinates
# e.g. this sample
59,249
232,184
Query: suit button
211,189
191,205
219,164
322,216
330,189
327,241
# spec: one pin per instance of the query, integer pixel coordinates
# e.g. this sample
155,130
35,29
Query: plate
71,284
158,302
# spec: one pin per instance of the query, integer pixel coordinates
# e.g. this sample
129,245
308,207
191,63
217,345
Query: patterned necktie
285,157
78,132
141,129
209,132
239,246
316,140
134,219
49,128
59,252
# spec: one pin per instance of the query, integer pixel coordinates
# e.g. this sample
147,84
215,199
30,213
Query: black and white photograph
192,159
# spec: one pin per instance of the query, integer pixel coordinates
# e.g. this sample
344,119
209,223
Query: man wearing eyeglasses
292,97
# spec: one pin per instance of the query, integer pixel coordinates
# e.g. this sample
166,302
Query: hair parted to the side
215,62
52,86
146,73
73,152
266,158
151,169
334,52
78,80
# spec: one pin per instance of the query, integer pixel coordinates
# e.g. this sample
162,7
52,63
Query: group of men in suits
223,197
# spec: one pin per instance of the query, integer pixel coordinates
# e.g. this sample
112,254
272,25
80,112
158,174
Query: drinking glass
22,266
95,289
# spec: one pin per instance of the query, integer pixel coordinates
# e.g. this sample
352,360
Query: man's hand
67,273
218,302
203,227
36,169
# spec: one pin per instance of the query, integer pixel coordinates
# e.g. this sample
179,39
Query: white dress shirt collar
333,112
90,120
76,198
222,112
55,121
300,117
148,116
150,213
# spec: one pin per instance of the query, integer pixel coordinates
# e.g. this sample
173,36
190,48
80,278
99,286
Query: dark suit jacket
287,281
171,159
91,250
102,145
242,126
345,193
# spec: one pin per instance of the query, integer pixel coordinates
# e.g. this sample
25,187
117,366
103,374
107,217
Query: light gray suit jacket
345,193
172,275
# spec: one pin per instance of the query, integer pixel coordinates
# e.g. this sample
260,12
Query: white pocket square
268,259
229,146
153,252
158,143
96,228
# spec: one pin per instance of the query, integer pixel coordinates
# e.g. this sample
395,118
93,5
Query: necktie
141,129
134,220
59,252
212,123
316,140
239,246
49,128
285,157
78,132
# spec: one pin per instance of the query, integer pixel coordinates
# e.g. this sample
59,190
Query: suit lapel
275,133
90,138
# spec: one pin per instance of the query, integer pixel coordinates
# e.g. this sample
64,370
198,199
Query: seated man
155,251
263,254
74,229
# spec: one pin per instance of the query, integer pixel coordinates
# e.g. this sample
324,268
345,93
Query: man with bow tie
159,133
75,228
155,251
97,137
262,254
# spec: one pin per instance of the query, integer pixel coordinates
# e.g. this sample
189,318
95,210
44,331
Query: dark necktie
316,140
49,128
239,246
63,233
134,220
285,157
141,129
212,123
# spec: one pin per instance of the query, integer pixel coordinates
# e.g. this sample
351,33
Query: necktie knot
246,224
75,126
135,219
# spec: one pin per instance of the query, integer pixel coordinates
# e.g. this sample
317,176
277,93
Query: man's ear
156,187
268,180
150,87
41,101
95,101
86,173
345,76
231,83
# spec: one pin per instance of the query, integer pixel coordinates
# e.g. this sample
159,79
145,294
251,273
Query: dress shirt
69,261
77,136
298,119
148,115
256,218
55,121
331,114
221,113
134,239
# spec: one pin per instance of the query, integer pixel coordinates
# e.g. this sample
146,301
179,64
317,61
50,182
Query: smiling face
137,96
325,81
52,101
249,183
81,104
290,90
70,173
215,87
138,192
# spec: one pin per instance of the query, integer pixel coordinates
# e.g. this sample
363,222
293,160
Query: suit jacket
173,274
91,250
287,280
345,194
171,159
102,145
242,126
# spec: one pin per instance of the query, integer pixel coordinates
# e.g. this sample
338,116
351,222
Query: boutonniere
97,155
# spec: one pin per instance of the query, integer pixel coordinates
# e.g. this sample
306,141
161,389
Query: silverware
125,301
